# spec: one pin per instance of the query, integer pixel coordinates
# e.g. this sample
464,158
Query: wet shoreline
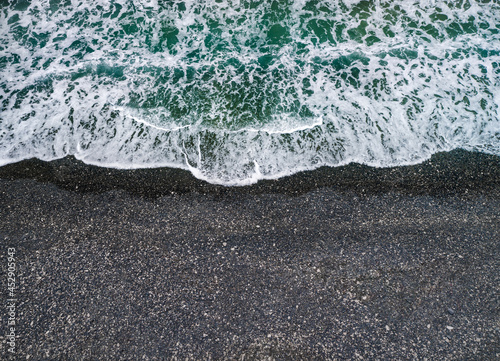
452,172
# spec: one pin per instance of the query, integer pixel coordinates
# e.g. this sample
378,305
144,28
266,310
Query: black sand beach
339,263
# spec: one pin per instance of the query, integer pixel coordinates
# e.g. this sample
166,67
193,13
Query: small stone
451,311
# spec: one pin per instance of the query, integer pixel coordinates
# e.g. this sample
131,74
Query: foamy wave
236,92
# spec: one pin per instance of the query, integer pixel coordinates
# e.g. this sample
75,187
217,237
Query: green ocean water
237,91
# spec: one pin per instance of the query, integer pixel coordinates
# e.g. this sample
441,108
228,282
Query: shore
338,263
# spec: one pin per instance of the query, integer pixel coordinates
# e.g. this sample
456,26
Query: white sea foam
211,89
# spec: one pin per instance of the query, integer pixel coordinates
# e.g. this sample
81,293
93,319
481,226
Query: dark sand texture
345,263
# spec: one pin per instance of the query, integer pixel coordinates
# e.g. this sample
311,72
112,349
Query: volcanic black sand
338,263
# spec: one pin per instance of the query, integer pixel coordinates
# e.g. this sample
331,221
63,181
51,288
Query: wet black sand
344,263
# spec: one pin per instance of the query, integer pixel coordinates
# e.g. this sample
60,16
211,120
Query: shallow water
237,91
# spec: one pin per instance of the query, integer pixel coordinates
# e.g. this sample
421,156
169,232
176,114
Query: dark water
237,91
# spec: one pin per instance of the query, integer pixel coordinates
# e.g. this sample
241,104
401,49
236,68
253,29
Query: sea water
240,90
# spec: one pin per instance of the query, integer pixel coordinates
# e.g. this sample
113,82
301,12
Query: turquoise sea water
237,91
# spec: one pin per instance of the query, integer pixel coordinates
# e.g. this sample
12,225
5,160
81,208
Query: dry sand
343,263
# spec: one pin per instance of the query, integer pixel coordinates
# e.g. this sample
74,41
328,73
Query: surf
238,91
